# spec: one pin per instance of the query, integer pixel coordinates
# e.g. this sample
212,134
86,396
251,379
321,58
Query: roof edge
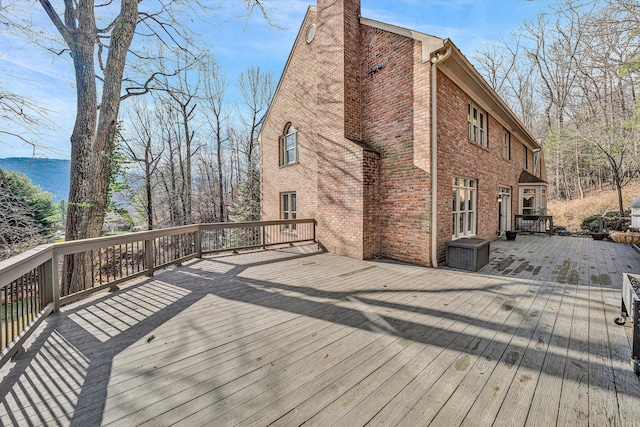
310,9
527,177
515,126
429,42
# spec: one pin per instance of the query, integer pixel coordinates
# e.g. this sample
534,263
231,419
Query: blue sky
239,44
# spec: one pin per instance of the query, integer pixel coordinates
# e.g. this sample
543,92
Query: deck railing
36,283
535,223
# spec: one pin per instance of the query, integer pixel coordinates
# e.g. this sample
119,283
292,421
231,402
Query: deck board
295,336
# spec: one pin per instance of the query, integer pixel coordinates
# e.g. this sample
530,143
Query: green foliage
28,215
247,207
62,211
127,218
116,180
592,222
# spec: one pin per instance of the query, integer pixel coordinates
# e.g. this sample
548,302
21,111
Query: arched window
289,146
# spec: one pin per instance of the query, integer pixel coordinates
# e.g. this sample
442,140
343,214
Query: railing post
55,281
198,242
314,230
48,282
264,240
551,226
148,256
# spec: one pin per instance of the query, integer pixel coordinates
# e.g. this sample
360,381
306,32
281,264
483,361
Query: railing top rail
534,216
216,225
19,265
74,246
16,266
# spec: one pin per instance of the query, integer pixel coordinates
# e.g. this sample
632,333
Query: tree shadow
66,373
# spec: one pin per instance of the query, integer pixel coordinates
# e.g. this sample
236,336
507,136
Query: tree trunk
93,136
148,189
220,178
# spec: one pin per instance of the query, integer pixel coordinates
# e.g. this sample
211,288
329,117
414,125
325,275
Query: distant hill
51,175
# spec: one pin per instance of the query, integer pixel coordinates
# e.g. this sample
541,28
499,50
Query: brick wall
395,113
364,170
294,102
352,95
457,156
371,207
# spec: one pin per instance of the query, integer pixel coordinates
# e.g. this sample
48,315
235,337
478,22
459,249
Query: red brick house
384,134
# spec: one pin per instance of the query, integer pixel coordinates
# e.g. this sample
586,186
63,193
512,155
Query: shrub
592,222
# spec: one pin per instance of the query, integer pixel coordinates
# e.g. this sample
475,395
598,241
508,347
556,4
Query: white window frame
538,196
464,199
289,145
288,209
506,146
477,123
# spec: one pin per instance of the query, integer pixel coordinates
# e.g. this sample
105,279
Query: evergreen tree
247,207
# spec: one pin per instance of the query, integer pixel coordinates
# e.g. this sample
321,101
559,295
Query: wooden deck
294,336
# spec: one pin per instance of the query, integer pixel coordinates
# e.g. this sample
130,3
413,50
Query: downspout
436,57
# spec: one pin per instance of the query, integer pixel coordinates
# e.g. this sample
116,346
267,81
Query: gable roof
458,68
429,43
636,203
528,178
310,10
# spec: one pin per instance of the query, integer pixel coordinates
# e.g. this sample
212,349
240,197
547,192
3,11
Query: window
525,158
289,146
528,201
288,209
533,199
536,156
477,123
464,207
506,147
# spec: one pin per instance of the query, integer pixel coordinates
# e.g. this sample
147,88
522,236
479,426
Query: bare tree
23,119
182,93
257,89
215,87
145,148
578,56
98,38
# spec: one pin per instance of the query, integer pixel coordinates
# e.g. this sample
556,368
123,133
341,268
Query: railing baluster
99,265
13,309
18,304
6,306
24,300
2,321
32,276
